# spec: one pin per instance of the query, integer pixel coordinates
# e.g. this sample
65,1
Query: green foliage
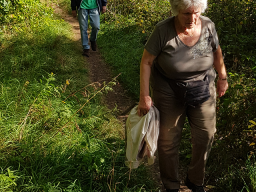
124,30
145,13
240,178
235,138
250,175
237,109
7,180
6,6
127,57
22,12
235,23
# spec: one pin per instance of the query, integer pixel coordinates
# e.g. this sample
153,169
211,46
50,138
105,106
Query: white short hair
177,5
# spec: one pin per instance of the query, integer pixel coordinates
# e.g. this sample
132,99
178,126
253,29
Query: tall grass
55,135
124,32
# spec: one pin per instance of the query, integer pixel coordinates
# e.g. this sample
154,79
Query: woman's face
189,17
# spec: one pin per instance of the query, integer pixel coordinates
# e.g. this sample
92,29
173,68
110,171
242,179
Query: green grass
122,49
55,134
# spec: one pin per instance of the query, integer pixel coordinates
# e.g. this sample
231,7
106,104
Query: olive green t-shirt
89,4
174,59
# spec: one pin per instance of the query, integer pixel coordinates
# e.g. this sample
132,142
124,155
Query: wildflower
26,83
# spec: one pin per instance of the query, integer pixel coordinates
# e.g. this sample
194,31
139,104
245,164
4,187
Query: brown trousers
202,120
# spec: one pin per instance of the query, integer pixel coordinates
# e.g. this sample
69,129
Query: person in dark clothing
88,9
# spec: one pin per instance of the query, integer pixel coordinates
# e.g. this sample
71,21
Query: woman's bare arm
145,70
222,83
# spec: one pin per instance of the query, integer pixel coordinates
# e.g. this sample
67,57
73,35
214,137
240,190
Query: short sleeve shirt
89,4
174,59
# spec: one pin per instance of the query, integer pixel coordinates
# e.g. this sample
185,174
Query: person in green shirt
88,9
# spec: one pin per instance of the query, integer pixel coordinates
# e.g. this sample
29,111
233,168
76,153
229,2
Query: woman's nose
192,18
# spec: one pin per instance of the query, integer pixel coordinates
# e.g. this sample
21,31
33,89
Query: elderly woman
179,61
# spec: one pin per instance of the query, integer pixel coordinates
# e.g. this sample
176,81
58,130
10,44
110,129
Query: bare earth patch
118,99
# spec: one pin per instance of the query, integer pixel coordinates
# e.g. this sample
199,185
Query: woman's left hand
222,83
222,86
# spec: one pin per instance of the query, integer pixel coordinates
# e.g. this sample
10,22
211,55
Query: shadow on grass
77,158
30,59
122,49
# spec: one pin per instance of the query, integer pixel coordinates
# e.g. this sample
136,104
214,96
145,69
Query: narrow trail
119,99
99,71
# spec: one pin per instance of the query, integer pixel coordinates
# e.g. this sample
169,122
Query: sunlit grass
55,134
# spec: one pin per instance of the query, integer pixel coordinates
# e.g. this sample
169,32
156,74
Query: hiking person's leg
172,117
202,120
83,23
94,16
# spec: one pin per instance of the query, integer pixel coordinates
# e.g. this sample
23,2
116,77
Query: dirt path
100,72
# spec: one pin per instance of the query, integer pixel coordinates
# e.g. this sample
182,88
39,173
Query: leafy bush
250,174
146,13
124,30
236,25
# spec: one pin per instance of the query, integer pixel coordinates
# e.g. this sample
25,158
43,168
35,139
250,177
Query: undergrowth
55,134
124,32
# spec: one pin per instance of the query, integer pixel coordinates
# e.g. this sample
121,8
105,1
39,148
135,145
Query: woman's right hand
145,71
144,105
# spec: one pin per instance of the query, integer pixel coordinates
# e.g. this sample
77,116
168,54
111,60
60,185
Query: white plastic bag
141,134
